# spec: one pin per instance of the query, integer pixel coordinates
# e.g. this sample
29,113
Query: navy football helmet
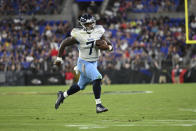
88,22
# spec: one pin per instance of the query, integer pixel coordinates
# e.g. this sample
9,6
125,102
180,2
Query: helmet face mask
88,22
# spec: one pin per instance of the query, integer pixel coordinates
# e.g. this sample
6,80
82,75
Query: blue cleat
100,108
60,99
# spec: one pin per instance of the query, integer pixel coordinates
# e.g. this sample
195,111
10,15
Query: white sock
98,101
65,94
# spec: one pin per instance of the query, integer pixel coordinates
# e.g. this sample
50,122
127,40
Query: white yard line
191,110
109,124
51,93
146,123
86,126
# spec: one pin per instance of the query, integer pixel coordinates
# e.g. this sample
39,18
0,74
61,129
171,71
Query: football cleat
100,108
59,100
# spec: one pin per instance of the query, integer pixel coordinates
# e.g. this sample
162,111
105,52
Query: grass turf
164,107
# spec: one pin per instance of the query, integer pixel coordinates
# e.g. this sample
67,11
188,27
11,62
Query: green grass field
147,107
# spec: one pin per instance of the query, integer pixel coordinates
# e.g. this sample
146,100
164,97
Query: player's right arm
66,42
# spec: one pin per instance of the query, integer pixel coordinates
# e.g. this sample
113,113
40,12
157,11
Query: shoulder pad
75,31
100,29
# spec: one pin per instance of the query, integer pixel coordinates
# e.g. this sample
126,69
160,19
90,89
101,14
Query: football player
85,38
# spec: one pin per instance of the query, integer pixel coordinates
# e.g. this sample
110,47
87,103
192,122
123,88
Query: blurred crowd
146,43
138,44
30,44
192,30
145,6
15,7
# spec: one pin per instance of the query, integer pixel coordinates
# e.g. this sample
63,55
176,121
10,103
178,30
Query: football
101,44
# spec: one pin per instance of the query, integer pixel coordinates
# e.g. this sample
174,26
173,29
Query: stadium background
149,47
148,38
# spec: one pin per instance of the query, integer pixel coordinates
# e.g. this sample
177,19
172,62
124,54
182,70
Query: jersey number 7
92,45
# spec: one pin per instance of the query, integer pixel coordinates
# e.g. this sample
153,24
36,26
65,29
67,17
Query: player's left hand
58,61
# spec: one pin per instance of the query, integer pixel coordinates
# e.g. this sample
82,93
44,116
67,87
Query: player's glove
110,48
58,61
